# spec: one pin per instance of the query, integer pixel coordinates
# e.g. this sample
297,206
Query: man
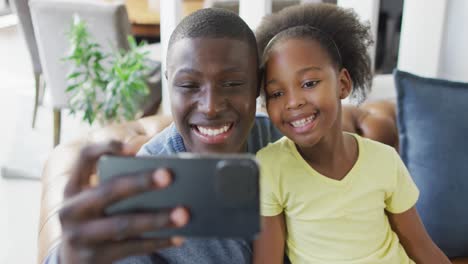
212,71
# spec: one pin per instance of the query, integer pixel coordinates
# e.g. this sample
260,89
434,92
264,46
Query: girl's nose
295,101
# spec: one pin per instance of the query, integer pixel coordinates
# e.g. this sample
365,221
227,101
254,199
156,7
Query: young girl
329,196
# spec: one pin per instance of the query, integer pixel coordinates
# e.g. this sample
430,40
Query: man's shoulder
167,141
262,120
262,133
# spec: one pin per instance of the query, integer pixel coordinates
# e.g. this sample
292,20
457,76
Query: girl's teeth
213,132
303,122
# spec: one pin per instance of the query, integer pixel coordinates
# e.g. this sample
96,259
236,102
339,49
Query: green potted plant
105,87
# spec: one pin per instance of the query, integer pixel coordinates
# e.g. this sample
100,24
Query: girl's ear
346,84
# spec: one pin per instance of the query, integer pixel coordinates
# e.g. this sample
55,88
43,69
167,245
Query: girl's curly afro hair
338,30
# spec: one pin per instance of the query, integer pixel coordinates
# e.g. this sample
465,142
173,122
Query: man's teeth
213,132
303,122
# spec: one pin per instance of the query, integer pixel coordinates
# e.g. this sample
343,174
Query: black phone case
220,191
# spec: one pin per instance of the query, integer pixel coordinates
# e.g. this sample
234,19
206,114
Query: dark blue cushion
433,127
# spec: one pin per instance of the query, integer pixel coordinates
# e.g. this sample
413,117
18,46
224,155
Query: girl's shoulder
374,152
279,147
367,145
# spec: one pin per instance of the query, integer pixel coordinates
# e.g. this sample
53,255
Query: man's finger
86,164
125,227
91,203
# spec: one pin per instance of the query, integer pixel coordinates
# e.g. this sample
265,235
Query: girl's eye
310,84
275,95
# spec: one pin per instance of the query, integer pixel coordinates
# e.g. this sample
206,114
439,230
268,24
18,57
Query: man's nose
212,102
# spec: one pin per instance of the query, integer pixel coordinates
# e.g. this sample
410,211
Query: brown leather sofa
375,120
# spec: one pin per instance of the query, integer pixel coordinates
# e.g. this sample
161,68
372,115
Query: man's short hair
214,23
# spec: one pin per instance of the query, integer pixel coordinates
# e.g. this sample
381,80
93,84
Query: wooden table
144,21
145,18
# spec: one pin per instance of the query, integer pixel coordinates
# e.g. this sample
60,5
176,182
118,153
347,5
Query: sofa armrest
375,120
58,167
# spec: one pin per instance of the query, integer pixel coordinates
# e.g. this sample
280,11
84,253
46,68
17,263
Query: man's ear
346,84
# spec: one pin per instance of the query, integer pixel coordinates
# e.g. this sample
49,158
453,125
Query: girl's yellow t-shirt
330,221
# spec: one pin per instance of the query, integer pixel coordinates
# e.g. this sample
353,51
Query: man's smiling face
213,87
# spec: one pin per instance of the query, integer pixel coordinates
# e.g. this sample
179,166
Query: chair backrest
233,5
107,24
21,8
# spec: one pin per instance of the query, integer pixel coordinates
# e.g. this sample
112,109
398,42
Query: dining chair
21,8
107,23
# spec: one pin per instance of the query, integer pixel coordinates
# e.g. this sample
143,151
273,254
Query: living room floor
23,150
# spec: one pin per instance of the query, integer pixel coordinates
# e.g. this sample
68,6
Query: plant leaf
74,75
72,87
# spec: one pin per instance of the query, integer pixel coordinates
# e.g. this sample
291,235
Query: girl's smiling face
303,89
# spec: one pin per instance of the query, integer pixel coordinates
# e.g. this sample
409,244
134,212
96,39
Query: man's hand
89,236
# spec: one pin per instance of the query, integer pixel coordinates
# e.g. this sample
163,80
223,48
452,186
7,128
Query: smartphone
220,191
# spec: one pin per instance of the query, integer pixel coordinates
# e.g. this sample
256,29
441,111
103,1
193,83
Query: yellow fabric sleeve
270,204
405,193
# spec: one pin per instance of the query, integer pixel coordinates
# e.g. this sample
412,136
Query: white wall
169,18
253,11
2,4
368,11
454,54
422,26
434,38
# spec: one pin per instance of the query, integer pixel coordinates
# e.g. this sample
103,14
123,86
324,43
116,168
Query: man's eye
310,84
188,85
232,83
